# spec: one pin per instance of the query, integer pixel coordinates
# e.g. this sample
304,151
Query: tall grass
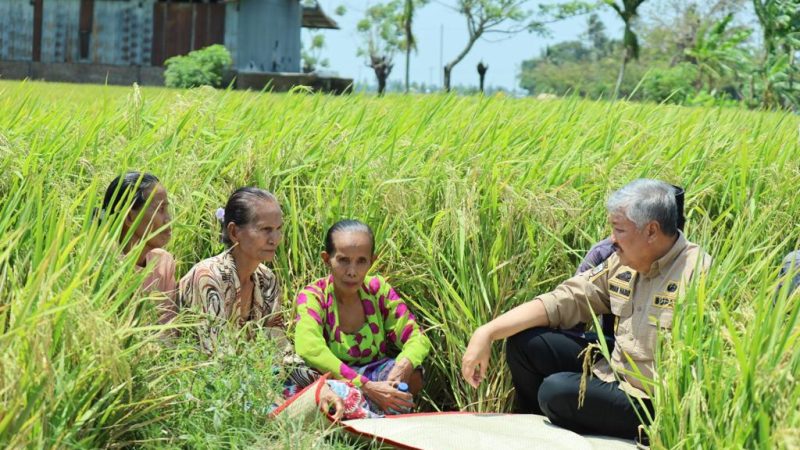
478,204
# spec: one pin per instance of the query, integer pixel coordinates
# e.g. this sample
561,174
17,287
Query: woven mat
473,431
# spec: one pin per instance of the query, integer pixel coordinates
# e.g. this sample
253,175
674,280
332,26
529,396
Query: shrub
595,79
711,99
670,84
203,67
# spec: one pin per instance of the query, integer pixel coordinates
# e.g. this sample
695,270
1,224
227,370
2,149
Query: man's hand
401,371
476,357
387,397
531,314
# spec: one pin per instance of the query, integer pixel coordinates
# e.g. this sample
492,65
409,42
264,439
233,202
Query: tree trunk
449,67
408,65
790,50
482,77
408,17
621,73
381,83
382,67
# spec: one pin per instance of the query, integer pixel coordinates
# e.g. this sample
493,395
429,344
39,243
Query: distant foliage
670,84
204,67
592,79
575,67
692,53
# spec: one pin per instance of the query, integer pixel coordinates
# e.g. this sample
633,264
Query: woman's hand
476,357
401,371
387,397
328,398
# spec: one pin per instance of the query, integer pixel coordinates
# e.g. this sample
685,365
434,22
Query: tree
672,27
717,51
568,51
588,67
382,32
596,35
409,41
482,68
627,11
780,24
584,67
487,17
312,59
312,55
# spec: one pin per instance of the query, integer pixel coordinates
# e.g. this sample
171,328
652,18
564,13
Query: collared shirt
212,288
388,323
599,252
642,302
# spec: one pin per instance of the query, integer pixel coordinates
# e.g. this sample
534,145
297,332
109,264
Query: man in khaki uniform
639,284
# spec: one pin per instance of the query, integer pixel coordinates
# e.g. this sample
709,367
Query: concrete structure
122,41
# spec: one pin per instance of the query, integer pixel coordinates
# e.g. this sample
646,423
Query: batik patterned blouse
212,288
325,347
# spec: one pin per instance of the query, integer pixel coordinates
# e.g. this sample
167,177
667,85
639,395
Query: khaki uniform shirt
642,302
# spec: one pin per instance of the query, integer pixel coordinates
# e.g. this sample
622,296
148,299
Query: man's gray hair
645,200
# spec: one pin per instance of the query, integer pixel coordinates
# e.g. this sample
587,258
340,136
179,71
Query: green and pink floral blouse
325,347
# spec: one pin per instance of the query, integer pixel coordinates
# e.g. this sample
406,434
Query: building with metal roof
55,36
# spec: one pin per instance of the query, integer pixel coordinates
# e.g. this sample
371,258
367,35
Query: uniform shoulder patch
660,301
625,276
598,270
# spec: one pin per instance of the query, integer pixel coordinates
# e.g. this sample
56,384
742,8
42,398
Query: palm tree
410,41
627,11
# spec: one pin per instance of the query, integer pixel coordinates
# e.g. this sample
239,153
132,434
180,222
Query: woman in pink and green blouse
349,323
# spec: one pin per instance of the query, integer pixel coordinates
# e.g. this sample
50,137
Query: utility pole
441,54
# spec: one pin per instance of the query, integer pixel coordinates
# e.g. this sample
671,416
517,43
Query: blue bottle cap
402,387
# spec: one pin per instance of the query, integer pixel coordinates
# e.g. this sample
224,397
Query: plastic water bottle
402,387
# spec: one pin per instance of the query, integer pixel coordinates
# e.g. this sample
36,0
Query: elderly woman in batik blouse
235,287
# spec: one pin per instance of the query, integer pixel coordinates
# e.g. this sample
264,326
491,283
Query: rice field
478,203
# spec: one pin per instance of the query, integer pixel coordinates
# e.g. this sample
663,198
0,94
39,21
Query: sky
438,27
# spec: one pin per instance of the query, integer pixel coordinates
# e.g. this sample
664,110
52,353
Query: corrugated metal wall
16,30
60,31
179,28
122,32
268,38
262,35
232,30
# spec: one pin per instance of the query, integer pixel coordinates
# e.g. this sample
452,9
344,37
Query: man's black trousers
546,371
